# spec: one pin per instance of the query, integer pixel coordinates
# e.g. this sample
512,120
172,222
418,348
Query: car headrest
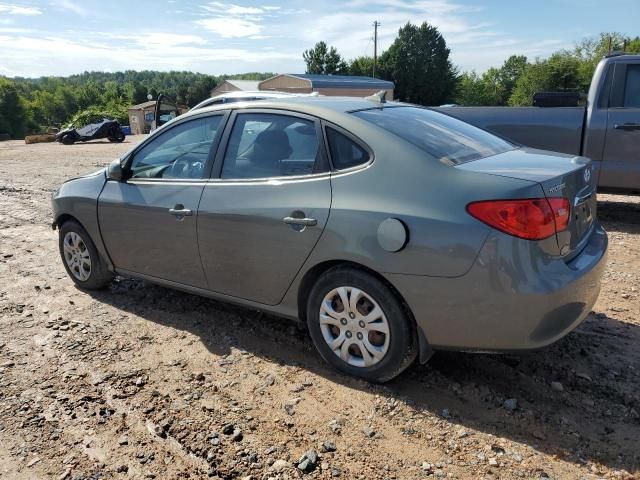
273,145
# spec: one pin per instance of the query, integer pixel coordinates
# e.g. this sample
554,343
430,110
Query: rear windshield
448,139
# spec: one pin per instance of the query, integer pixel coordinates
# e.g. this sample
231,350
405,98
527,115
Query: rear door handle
305,222
180,211
627,126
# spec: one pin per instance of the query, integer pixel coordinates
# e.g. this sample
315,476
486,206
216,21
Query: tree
362,66
324,60
13,116
477,90
508,75
418,62
560,72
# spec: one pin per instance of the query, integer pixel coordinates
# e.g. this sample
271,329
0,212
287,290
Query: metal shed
235,86
330,85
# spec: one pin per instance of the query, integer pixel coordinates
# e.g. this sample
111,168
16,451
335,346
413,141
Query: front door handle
305,222
627,126
180,211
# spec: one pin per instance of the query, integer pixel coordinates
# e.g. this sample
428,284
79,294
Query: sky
63,37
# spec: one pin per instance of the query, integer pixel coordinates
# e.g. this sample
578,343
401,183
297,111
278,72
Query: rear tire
81,259
68,139
374,338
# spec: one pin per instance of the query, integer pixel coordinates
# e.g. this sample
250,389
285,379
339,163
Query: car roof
317,106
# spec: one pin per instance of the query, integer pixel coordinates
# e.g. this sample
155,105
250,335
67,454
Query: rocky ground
139,381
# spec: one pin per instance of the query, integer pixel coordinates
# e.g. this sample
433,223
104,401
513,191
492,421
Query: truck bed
556,129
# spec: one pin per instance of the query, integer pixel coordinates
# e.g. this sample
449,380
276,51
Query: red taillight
531,218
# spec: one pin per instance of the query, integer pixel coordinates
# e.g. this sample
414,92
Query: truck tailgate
555,129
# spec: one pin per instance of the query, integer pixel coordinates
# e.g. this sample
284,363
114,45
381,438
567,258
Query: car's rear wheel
359,325
118,137
81,260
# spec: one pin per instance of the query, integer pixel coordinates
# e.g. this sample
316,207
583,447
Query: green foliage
560,72
492,88
418,62
362,66
96,113
324,60
13,115
53,101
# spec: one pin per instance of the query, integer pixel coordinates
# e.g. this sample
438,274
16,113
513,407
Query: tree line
418,62
29,105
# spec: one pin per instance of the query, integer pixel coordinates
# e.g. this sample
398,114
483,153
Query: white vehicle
246,96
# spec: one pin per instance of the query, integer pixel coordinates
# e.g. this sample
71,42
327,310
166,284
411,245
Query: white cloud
9,9
54,55
230,27
161,39
72,6
231,9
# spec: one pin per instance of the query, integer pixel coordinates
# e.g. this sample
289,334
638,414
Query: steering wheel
180,169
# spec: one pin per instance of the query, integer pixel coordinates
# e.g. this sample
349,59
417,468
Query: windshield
447,139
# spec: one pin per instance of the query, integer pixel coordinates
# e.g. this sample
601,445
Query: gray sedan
391,230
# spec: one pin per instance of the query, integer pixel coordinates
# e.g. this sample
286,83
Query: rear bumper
513,298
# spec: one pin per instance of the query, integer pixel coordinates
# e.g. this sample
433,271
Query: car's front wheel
81,260
359,325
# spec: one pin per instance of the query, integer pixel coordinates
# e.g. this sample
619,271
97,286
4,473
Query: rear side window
264,145
445,138
632,87
345,153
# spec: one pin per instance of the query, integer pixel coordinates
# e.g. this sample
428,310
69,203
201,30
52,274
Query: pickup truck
607,129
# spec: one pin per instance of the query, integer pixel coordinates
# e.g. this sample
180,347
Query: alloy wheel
354,326
77,257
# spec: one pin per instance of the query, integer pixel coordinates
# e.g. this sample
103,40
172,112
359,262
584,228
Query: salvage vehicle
105,128
607,130
391,230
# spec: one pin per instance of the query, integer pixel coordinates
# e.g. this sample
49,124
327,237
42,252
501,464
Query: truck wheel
80,257
359,325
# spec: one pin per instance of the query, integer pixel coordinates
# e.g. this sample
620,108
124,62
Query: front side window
445,138
345,153
632,87
180,152
264,145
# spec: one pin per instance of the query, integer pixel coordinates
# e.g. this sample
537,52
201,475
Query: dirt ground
140,382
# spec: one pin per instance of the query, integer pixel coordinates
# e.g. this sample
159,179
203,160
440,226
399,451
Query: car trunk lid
559,175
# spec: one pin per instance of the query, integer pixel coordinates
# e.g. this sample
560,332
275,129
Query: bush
96,114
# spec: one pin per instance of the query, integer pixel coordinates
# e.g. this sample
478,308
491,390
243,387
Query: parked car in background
392,230
109,129
607,130
247,96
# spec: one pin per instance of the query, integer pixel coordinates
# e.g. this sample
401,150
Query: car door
148,221
621,158
166,110
266,205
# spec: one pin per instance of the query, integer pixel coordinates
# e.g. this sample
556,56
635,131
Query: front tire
359,325
80,257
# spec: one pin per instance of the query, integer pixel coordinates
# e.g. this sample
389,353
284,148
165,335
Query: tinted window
447,139
179,152
270,145
632,87
345,153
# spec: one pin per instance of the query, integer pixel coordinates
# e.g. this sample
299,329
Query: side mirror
114,171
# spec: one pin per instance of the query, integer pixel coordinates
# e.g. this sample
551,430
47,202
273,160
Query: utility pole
376,24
